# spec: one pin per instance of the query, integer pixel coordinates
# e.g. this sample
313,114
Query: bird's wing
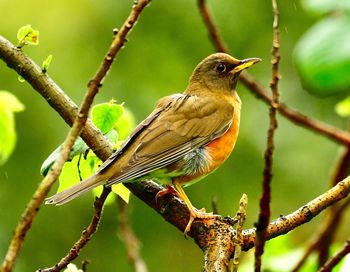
179,125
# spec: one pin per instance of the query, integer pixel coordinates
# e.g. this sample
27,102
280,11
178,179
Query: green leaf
343,107
21,79
8,105
27,35
322,57
105,115
112,136
78,148
122,191
125,124
46,63
321,7
71,174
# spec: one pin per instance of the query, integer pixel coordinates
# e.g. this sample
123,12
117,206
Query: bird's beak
244,64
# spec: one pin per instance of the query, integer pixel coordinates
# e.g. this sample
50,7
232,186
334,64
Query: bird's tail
76,190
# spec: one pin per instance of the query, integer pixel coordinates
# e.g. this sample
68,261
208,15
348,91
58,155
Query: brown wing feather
180,124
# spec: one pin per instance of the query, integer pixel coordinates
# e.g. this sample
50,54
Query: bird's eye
221,68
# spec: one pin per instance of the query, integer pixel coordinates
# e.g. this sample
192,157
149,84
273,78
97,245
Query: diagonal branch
79,121
328,267
259,91
265,210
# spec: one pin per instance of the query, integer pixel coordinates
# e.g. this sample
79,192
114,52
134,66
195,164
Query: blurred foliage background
163,48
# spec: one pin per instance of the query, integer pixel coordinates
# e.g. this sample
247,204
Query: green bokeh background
163,48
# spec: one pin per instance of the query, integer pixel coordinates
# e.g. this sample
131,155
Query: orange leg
194,213
165,191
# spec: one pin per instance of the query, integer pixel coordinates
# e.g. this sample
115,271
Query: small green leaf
322,56
342,108
105,115
125,124
27,35
78,148
8,105
21,79
46,63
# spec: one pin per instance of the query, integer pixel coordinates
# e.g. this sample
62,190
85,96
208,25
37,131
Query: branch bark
265,200
328,267
331,132
79,121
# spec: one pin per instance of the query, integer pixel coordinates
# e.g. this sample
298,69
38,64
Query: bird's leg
194,213
165,191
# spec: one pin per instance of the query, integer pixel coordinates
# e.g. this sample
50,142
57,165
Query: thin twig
240,217
212,29
328,267
256,88
264,213
85,235
127,235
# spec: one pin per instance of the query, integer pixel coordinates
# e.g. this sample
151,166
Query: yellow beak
244,64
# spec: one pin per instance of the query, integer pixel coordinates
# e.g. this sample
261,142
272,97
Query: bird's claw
198,214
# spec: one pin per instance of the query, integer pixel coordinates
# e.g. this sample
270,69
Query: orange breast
221,148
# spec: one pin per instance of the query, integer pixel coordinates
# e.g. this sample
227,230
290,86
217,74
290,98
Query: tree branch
259,91
322,240
328,267
265,200
85,235
93,87
213,31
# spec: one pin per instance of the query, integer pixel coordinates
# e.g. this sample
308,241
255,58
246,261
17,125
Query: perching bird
184,139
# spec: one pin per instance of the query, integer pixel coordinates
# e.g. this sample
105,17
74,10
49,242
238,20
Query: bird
185,138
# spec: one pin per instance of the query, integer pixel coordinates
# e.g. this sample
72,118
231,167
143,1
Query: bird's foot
198,214
166,191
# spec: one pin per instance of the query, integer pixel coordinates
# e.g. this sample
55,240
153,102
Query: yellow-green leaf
343,107
10,102
8,105
121,191
125,124
27,35
46,63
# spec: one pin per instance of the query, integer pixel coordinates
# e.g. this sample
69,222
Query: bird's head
220,71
